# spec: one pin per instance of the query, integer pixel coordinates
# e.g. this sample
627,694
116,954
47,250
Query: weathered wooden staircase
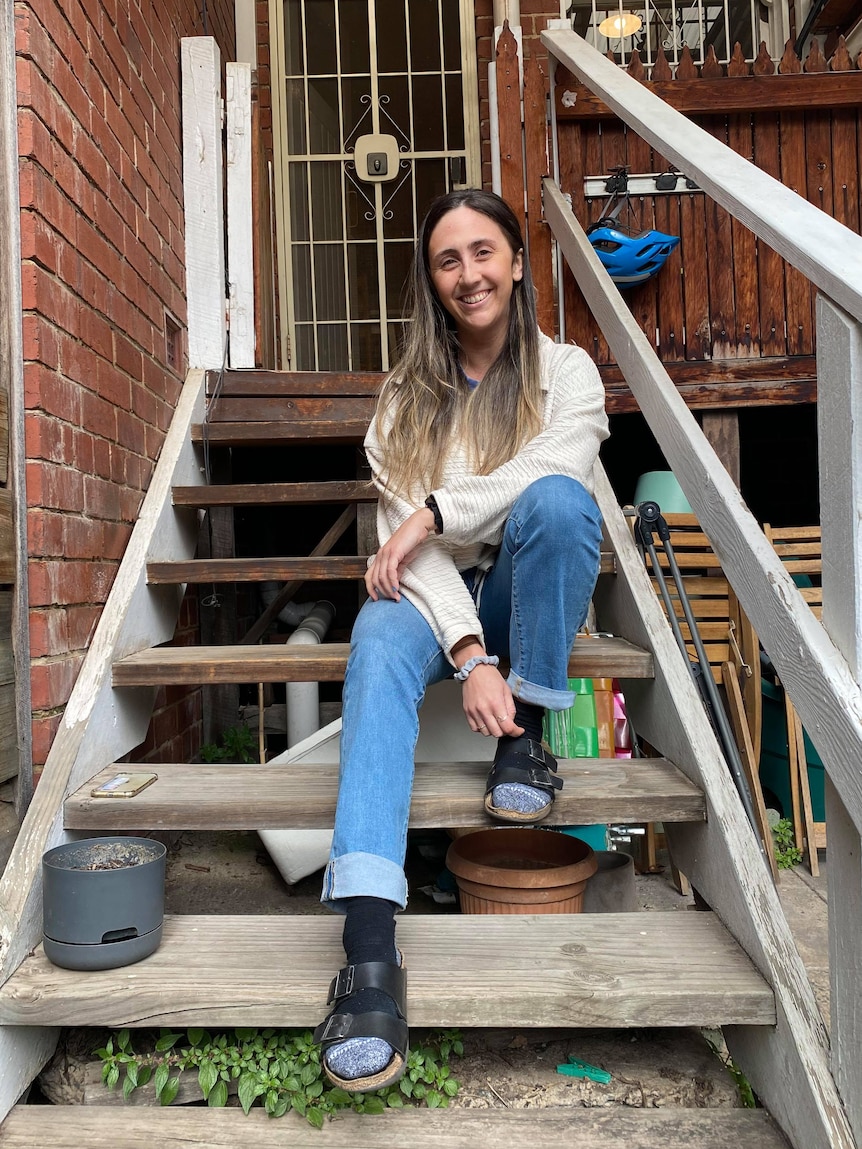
735,967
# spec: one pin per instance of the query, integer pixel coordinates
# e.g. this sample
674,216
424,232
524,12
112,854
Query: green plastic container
774,760
663,488
573,733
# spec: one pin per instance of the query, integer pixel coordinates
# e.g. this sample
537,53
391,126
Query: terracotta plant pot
521,871
103,901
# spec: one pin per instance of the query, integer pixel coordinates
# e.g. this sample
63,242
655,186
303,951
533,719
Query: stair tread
257,569
280,568
241,382
271,434
580,970
274,494
303,795
590,658
96,1127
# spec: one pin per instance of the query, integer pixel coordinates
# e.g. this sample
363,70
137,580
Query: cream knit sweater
474,508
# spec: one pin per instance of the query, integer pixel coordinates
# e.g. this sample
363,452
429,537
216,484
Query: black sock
369,935
529,717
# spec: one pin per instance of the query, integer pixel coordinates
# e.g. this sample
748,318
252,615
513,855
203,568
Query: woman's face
474,269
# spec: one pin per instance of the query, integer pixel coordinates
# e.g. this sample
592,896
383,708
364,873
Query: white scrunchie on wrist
477,660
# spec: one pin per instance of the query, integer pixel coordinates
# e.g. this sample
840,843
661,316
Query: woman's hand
488,703
382,579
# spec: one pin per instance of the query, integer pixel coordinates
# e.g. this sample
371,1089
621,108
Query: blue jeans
532,604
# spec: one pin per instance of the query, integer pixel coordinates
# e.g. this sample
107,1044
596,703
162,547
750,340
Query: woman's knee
560,501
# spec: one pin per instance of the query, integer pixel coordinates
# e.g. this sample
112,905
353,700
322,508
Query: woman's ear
518,266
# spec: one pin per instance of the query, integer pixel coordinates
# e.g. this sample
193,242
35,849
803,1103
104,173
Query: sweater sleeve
432,582
475,507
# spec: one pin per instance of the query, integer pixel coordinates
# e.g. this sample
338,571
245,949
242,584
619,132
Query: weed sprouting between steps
278,1069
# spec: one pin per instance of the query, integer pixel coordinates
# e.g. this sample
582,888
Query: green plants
743,1085
278,1069
787,853
238,745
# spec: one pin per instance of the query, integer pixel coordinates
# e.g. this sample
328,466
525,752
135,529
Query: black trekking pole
649,519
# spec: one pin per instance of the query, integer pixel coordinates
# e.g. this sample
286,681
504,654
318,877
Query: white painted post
240,242
203,183
839,422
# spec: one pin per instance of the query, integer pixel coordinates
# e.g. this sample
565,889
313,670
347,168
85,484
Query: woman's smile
474,270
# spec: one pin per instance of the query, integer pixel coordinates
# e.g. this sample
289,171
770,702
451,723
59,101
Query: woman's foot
365,1038
521,787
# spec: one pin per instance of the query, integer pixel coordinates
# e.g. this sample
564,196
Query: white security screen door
343,71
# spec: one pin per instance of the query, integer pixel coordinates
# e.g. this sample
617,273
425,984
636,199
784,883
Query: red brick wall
102,260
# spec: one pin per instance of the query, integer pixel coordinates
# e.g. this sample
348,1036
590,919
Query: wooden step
242,383
579,970
280,569
222,797
274,494
257,570
192,665
273,420
95,1127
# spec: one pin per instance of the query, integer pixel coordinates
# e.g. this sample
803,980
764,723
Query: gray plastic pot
612,889
103,901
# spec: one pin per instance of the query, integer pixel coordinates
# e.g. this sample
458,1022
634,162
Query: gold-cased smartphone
123,786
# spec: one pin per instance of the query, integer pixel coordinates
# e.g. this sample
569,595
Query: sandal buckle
537,753
334,1028
342,984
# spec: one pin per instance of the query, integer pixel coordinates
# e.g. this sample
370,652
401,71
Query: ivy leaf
207,1077
282,1107
145,1072
315,1089
161,1079
102,1054
433,1099
113,1076
298,1103
308,1074
339,1096
218,1096
395,1101
314,1117
249,1089
375,1105
450,1087
167,1041
131,1075
170,1091
195,1036
128,1087
123,1038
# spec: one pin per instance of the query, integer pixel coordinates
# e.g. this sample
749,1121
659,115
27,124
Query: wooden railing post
839,422
203,182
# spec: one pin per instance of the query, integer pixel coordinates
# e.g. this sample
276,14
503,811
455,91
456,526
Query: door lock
376,158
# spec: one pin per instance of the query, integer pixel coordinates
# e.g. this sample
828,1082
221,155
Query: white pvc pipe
302,699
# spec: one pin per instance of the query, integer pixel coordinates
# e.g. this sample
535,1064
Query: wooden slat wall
724,294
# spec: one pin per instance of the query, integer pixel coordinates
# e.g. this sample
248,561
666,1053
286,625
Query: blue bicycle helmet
630,260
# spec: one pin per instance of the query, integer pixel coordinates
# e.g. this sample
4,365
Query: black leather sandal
523,762
338,1027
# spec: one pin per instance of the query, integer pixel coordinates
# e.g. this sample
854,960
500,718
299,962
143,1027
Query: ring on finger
483,727
502,717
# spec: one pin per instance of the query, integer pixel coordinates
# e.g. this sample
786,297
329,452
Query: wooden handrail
824,250
828,697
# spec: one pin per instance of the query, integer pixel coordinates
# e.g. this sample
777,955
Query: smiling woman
482,449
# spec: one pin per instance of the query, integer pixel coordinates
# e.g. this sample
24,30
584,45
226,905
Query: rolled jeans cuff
539,695
362,875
